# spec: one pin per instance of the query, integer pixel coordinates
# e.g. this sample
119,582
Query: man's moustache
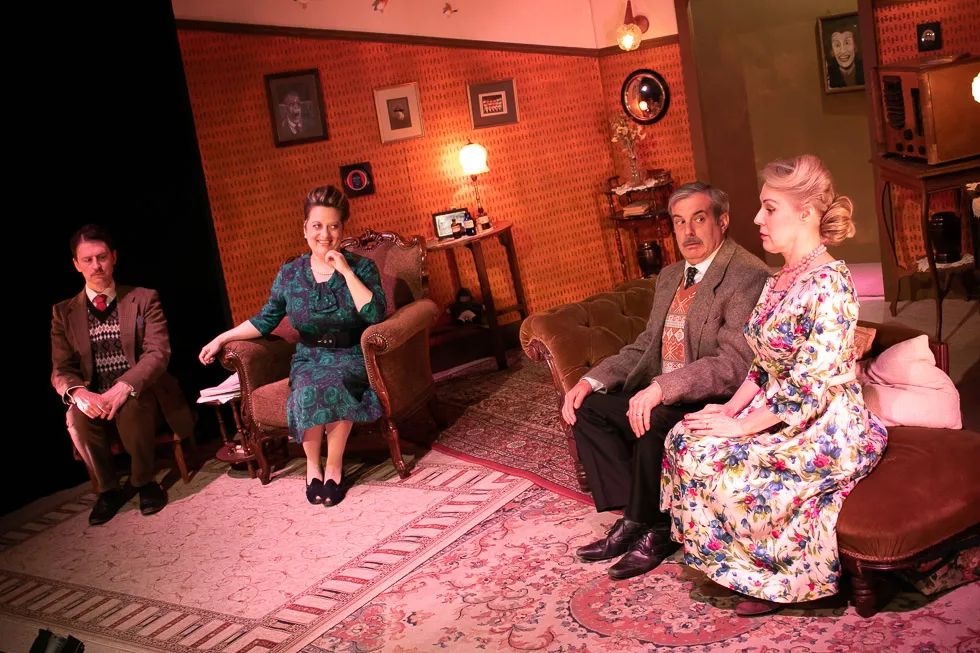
694,241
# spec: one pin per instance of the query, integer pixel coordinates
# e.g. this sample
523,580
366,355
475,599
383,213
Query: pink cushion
904,387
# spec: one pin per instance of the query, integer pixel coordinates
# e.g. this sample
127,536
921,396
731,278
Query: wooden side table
235,450
657,193
502,232
924,180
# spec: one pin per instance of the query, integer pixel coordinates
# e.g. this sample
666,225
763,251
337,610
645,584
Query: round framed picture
357,179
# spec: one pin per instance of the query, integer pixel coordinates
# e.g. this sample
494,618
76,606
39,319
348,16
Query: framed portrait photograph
840,53
442,222
399,113
296,107
492,103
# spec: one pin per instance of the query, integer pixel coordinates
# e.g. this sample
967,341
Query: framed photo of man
296,107
840,53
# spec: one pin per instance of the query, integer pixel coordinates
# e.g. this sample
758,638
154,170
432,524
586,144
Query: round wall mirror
645,96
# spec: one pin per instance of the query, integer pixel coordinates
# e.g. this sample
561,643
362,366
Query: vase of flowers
627,133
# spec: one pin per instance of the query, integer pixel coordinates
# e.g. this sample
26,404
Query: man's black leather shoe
647,552
617,541
152,498
106,507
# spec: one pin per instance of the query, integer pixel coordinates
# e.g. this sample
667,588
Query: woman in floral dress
330,297
755,485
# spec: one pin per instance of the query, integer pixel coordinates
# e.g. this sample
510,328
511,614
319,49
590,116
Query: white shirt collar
109,292
701,267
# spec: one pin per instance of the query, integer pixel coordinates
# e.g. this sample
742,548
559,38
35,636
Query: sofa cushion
904,387
269,405
924,490
864,336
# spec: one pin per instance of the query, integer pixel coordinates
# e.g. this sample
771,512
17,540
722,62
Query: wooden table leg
507,239
481,273
933,270
453,271
622,255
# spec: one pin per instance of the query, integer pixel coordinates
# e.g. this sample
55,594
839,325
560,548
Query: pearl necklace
773,296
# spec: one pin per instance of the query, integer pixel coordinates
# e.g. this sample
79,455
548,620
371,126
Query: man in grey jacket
692,352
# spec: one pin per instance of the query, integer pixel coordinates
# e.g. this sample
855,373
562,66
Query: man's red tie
99,301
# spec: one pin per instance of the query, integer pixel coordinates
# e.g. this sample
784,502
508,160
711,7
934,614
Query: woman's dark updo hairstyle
327,196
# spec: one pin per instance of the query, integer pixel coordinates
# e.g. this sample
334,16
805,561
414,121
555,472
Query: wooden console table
657,194
500,231
924,180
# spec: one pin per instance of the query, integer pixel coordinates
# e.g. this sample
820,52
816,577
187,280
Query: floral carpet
513,584
231,565
509,420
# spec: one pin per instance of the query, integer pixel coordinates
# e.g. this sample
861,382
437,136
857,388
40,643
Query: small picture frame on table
442,222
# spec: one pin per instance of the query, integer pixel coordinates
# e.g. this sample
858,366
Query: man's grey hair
719,198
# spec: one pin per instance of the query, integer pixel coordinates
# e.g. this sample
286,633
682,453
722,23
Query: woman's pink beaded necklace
774,296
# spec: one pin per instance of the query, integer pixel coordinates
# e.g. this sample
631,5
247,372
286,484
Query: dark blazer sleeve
152,342
718,374
66,365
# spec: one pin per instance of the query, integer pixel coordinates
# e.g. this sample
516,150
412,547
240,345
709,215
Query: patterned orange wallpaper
545,171
897,42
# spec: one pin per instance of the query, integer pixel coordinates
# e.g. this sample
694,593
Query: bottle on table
469,226
482,219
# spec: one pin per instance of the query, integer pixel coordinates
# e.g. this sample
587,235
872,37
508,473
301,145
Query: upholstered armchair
396,354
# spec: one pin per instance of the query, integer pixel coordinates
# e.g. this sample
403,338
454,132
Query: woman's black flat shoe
334,491
315,491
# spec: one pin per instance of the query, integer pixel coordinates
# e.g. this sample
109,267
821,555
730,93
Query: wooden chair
165,437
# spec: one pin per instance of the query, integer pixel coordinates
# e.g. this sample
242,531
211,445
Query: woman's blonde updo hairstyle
808,182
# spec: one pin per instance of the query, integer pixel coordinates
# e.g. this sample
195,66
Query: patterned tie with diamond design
689,279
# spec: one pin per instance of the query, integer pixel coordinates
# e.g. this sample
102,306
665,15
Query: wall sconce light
630,33
473,159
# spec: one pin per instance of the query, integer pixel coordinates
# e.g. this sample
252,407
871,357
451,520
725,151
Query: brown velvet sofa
921,503
396,355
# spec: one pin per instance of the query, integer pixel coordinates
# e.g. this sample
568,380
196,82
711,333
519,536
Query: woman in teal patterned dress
754,486
330,297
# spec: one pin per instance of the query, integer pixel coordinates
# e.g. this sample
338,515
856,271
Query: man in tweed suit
109,355
692,352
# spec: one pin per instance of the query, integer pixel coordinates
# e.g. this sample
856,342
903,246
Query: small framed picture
493,103
357,179
442,222
399,113
840,53
296,107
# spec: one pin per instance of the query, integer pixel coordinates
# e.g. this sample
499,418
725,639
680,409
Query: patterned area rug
512,584
509,420
231,565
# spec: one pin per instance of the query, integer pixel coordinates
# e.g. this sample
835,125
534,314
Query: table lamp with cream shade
473,159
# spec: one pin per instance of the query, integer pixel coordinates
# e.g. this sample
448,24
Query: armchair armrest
396,355
573,338
400,327
259,361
